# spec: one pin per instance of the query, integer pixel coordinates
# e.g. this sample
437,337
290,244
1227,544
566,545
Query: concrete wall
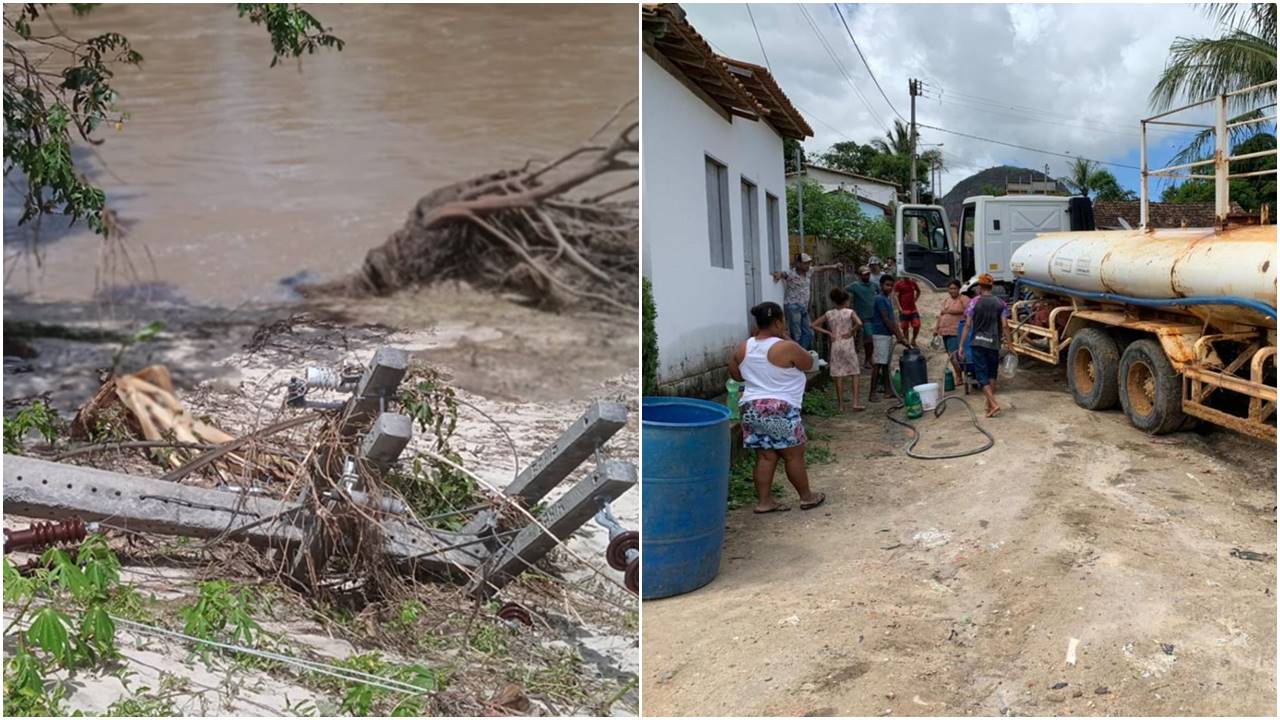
702,310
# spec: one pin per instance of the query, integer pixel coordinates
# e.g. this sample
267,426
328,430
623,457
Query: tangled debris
525,231
357,589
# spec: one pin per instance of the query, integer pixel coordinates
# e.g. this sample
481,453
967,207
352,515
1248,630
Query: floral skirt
770,424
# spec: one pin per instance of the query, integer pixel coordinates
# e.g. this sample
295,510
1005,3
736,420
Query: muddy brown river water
232,176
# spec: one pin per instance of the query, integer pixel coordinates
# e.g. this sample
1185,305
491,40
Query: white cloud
1066,78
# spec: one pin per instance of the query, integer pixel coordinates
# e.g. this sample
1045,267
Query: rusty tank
1162,264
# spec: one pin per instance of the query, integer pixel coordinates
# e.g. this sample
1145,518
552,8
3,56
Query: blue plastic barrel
684,487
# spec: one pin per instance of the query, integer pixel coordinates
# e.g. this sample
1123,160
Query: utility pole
913,86
800,194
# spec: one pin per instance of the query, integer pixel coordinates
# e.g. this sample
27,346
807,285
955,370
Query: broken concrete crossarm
609,481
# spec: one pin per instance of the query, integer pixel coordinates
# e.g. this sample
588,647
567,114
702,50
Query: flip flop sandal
810,506
774,509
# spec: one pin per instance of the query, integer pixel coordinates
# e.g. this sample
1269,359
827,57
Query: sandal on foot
809,506
775,508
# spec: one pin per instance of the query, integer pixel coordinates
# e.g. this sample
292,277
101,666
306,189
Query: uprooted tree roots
525,231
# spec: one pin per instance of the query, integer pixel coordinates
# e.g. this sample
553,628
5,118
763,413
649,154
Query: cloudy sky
1067,78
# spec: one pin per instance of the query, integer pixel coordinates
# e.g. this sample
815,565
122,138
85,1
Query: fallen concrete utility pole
55,491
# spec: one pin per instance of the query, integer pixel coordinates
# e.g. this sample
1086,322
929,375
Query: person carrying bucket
773,370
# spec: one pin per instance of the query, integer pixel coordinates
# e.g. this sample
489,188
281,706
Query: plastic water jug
937,343
948,380
1009,365
897,383
914,408
733,388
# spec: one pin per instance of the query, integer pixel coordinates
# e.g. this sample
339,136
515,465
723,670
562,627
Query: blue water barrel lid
681,412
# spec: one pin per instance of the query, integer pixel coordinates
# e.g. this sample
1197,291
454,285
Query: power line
1032,149
1031,112
758,40
799,107
840,66
1028,118
824,122
865,63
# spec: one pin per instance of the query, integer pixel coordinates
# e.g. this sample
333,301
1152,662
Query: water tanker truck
1175,326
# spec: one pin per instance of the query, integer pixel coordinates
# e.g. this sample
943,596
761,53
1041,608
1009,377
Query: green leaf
48,631
150,332
98,630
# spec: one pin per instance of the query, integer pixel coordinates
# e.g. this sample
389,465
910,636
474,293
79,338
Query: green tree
1250,193
838,219
1243,55
1084,177
896,141
886,158
58,91
790,149
849,156
1191,191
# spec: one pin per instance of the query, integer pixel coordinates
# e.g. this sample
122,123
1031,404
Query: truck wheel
1150,391
1092,361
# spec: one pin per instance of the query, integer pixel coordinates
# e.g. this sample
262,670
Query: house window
775,235
718,229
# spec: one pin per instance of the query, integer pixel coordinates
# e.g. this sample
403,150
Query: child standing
907,291
844,328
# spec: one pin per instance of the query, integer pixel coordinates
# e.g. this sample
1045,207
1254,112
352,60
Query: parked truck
1175,326
991,229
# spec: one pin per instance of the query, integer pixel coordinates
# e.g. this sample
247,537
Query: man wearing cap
795,297
864,300
982,331
876,272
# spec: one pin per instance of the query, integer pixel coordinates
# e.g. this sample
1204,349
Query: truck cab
991,229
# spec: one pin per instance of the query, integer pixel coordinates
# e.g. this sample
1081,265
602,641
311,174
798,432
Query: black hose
937,413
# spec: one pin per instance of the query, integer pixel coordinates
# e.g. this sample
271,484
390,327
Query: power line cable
1040,112
1027,118
1031,149
840,66
758,40
865,63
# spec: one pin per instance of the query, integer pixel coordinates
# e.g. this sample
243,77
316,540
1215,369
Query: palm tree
1243,56
1082,175
899,140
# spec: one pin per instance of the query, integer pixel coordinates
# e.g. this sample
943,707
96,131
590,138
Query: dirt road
957,587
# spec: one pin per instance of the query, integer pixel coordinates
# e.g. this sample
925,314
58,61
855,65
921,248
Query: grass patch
818,403
742,485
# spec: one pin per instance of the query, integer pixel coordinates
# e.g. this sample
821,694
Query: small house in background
875,196
714,213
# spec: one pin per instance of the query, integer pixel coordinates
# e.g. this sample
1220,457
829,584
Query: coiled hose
937,413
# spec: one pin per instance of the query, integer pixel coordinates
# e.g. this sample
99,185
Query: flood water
231,176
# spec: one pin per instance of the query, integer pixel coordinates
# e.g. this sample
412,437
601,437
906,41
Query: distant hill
996,177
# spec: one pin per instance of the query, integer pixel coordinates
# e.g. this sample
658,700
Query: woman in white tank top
773,368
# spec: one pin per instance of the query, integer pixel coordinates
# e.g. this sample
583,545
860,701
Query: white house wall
701,310
883,193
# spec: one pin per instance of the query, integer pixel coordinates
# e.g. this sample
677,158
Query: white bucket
928,393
